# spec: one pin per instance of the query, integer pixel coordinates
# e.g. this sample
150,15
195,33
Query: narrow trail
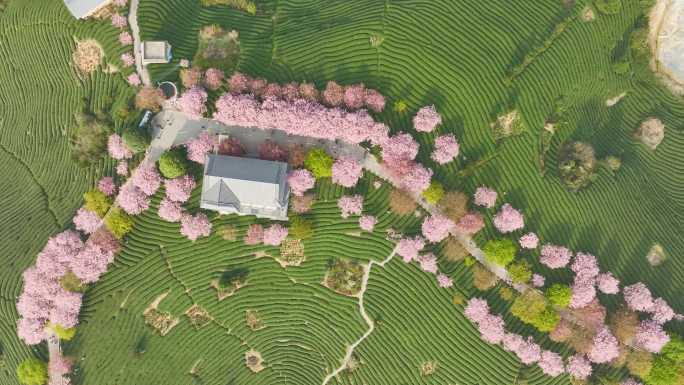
365,316
133,21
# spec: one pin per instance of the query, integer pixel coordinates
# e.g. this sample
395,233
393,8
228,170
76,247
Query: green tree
546,320
621,66
505,293
97,201
136,138
500,251
252,8
32,372
528,307
673,350
89,139
118,223
300,227
521,271
558,295
72,283
62,333
172,164
434,193
664,372
319,163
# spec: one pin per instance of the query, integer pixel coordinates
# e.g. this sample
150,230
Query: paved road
133,21
54,352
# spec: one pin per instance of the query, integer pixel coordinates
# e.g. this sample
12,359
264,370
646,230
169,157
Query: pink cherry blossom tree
377,185
125,38
470,223
374,100
213,78
120,3
427,119
255,235
122,168
400,146
484,196
87,221
428,262
630,381
59,364
132,200
562,332
408,248
239,82
418,179
607,283
90,263
179,189
199,147
106,186
170,210
353,96
271,151
579,367
300,181
594,312
605,347
529,241
528,351
147,179
240,110
127,59
555,256
476,310
583,292
118,20
585,266
444,281
350,204
290,92
308,92
65,308
275,235
446,149
193,102
117,148
134,79
651,336
333,94
231,147
436,227
512,341
346,171
661,311
551,363
508,219
367,222
31,330
538,280
638,297
491,328
193,227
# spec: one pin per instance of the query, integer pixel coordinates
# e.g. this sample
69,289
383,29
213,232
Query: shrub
251,8
62,333
639,363
302,204
609,7
528,307
89,139
319,163
576,164
505,293
230,282
401,202
228,232
483,278
71,282
118,223
97,201
136,138
434,193
454,205
172,164
613,162
558,295
521,271
345,277
32,371
253,320
621,66
501,251
399,106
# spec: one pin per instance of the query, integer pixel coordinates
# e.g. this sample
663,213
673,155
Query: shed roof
82,8
234,181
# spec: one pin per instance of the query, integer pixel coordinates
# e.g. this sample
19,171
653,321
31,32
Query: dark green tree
136,138
172,164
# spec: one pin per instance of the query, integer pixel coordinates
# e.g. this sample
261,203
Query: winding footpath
371,324
133,21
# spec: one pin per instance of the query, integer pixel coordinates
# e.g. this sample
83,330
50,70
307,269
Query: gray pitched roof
236,182
81,8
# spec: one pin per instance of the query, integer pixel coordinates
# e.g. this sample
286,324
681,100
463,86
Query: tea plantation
453,54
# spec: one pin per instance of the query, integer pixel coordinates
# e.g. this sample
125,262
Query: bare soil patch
198,316
161,322
192,370
111,69
651,132
291,253
357,235
656,256
253,361
507,125
588,15
88,56
615,100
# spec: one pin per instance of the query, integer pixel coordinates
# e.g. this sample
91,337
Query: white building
155,52
84,8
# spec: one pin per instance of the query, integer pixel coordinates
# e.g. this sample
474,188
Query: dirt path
365,316
133,21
